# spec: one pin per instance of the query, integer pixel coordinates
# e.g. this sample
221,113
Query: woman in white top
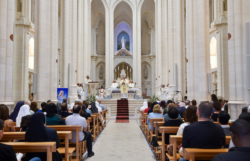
24,111
190,117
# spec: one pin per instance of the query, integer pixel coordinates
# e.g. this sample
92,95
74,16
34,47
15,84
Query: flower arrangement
153,99
90,99
118,87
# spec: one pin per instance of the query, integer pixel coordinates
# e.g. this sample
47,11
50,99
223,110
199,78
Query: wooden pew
205,154
94,120
104,115
177,140
26,147
229,123
151,132
72,128
166,130
64,135
157,124
146,125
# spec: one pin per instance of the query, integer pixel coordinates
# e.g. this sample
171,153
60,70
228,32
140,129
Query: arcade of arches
197,47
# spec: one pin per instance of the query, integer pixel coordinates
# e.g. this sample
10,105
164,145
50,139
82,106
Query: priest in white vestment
124,87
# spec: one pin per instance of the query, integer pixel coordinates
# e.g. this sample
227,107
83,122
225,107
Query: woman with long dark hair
52,118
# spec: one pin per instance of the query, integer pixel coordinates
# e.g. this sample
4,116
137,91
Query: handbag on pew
170,151
154,142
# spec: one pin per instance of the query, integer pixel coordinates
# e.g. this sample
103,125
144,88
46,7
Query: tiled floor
122,121
122,142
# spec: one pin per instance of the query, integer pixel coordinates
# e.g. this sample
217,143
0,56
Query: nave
122,141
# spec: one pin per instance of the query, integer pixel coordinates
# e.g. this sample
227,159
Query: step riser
122,110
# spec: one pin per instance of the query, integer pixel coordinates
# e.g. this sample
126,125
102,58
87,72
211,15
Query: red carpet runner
122,111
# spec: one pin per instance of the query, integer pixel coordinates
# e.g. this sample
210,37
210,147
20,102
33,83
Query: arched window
213,53
31,53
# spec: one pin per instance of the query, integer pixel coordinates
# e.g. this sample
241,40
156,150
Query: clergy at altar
86,87
101,92
80,92
124,85
114,84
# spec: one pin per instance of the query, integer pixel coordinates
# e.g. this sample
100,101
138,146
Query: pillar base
234,108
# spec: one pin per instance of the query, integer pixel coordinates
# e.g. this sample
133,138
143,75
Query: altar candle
115,70
130,69
127,67
118,68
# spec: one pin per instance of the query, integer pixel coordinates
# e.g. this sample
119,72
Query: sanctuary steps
112,107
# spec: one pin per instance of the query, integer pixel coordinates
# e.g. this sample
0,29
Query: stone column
165,53
238,16
107,49
158,45
138,53
171,29
21,56
53,49
7,10
80,42
197,35
87,37
152,58
135,47
93,68
46,47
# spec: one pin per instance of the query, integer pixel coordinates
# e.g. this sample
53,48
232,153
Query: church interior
118,60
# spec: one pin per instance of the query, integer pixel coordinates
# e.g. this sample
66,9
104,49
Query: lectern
93,86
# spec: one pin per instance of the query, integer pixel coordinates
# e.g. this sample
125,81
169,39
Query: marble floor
122,142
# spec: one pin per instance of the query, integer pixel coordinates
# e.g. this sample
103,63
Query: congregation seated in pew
243,116
6,151
76,119
52,118
166,116
203,133
190,117
64,112
37,132
4,115
217,107
182,109
240,131
157,113
174,121
223,119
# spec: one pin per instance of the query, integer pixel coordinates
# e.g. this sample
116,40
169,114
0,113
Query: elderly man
27,102
100,105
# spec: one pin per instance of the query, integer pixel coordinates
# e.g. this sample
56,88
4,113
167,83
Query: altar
116,93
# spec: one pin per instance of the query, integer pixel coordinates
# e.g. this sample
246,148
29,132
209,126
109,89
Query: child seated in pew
240,132
25,123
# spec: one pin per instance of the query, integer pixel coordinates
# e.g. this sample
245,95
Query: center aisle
122,142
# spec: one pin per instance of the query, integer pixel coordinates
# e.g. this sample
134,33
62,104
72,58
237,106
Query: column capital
94,58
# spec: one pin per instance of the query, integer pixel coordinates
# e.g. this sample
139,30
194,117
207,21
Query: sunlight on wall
213,53
31,53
